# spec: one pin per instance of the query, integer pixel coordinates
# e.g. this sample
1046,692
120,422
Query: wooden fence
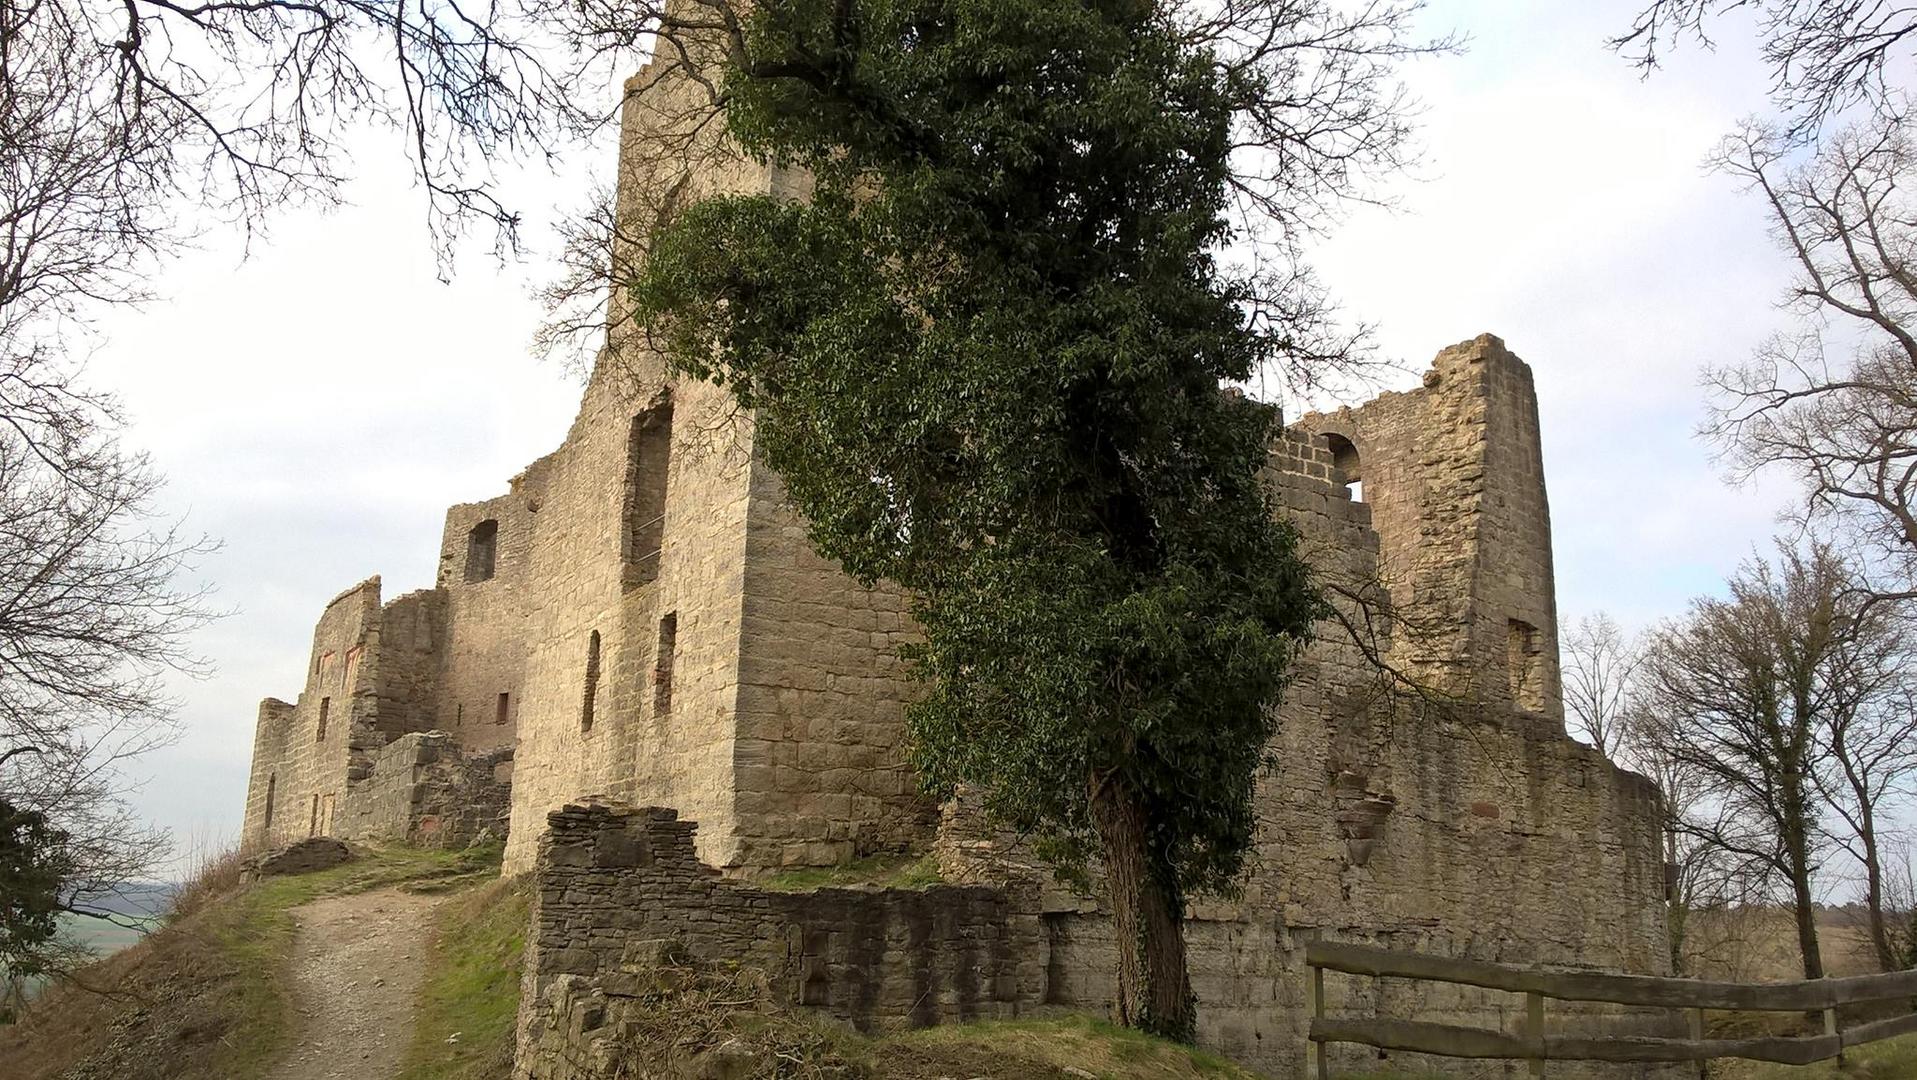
1537,1047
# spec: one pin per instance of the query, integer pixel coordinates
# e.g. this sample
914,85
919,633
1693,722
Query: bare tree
1824,56
1834,403
90,618
1869,741
1600,669
1745,687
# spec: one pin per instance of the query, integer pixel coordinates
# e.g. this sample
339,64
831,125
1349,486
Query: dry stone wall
616,886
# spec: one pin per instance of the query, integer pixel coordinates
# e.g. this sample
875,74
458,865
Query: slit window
503,708
312,826
648,463
592,682
272,788
482,550
662,664
326,707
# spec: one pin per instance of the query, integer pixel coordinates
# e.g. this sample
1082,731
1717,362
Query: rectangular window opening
648,463
326,706
662,664
272,785
482,551
504,708
312,826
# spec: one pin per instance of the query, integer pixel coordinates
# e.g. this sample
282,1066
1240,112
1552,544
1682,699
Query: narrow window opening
1345,466
482,549
648,463
503,709
662,664
272,787
592,682
459,715
326,706
312,826
1521,650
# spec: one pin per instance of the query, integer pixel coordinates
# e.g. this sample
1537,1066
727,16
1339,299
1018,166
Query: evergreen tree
987,356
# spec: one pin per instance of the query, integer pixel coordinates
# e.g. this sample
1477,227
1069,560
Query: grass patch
886,871
1040,1050
206,995
1892,1059
470,998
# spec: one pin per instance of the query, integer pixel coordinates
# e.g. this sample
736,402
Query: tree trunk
1797,844
1677,908
1874,893
1148,917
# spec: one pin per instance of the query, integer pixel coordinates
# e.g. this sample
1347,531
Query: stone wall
1454,476
303,752
1444,815
424,789
613,884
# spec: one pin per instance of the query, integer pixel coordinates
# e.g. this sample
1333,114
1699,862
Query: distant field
138,910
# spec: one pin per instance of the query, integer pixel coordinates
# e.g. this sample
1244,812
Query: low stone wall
421,788
615,884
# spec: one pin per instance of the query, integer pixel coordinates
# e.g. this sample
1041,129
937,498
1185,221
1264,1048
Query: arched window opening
592,682
1344,460
482,549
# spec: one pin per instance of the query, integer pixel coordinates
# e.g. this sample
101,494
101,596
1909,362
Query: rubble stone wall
614,885
424,789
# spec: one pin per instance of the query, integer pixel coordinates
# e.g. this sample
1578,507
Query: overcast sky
318,402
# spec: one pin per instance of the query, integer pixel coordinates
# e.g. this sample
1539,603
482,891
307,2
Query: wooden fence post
1830,1028
1697,1035
1318,1012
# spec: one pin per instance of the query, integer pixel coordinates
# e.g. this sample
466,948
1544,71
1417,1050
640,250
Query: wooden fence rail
1537,1047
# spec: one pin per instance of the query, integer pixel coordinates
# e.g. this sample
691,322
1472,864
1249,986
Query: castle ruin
640,622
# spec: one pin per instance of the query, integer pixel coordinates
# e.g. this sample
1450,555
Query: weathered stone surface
304,857
602,924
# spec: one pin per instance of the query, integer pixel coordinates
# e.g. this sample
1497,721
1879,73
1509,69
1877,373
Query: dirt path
357,966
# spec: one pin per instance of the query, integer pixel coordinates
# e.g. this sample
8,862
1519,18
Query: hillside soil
357,965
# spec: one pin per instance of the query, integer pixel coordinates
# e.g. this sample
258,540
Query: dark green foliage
987,359
34,864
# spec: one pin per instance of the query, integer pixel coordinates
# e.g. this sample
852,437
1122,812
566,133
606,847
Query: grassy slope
202,997
471,993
